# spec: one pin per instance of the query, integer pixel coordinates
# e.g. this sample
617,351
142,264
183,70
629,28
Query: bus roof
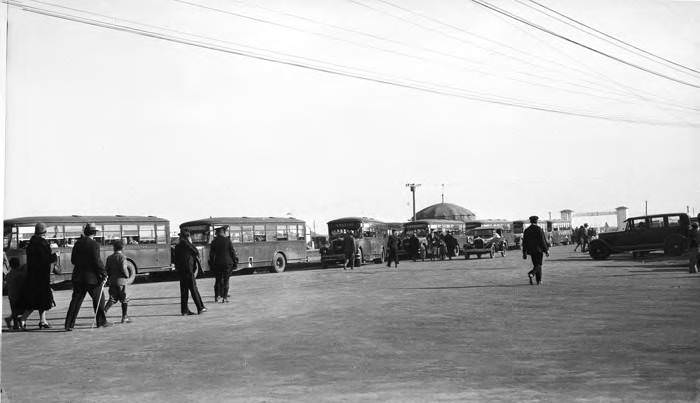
97,219
354,219
242,220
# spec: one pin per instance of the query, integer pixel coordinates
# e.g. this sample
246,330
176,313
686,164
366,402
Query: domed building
446,211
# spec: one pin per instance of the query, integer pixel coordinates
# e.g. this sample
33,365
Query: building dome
445,211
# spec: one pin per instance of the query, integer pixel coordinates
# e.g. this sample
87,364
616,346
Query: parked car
484,241
667,232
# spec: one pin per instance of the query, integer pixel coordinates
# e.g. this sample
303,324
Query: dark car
484,241
667,232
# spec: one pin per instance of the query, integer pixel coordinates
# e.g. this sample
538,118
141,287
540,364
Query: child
119,276
15,283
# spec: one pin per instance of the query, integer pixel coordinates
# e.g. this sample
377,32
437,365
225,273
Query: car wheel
279,263
674,245
503,251
492,252
478,255
598,250
466,255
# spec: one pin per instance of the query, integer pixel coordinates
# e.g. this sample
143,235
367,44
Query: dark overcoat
534,240
222,256
88,266
37,288
186,256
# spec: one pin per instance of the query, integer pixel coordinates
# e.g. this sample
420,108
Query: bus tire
382,258
279,263
133,270
360,258
478,255
466,255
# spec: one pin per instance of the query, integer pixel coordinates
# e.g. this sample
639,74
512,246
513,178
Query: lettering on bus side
350,225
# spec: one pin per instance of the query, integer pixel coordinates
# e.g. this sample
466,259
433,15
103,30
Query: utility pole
646,207
413,187
443,193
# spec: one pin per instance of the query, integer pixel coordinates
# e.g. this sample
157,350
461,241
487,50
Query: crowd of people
29,286
582,236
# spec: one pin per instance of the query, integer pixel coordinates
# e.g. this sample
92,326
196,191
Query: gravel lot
461,330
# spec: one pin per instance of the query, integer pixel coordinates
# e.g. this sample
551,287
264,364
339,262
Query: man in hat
392,246
693,245
186,260
349,250
89,274
222,260
535,245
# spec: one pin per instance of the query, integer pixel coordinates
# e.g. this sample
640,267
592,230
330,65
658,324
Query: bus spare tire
279,263
674,245
598,250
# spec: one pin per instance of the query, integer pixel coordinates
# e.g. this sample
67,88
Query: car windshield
201,234
483,233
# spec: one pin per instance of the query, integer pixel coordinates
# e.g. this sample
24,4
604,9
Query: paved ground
455,330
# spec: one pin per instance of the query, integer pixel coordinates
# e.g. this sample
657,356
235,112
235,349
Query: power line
440,91
228,12
604,89
613,38
565,38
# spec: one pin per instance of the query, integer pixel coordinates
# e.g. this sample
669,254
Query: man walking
222,260
584,238
349,249
694,243
414,246
451,243
392,246
535,245
88,277
186,259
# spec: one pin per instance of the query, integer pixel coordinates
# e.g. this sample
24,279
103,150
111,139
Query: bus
146,240
423,227
260,242
561,232
557,231
370,240
504,228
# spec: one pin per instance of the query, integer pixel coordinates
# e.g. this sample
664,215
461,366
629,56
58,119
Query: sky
102,121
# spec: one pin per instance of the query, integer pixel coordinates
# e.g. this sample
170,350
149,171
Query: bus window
130,234
54,235
292,232
25,234
282,232
259,233
73,233
302,233
112,234
8,239
161,237
247,233
147,234
271,232
234,231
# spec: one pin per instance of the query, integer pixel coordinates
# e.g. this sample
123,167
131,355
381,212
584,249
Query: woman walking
37,288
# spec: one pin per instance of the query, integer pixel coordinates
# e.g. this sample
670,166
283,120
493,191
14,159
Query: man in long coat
186,260
222,260
88,277
349,250
535,244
